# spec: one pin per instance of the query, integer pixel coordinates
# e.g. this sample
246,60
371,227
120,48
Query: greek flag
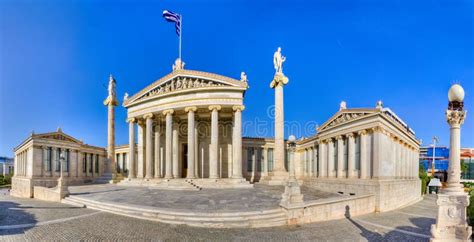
175,18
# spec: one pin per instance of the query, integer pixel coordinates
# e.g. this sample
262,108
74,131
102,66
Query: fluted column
213,171
322,159
131,148
331,167
141,149
149,145
237,142
351,155
363,154
340,156
169,140
176,171
191,143
157,151
265,161
44,170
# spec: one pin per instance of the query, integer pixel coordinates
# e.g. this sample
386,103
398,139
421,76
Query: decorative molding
455,118
343,117
362,132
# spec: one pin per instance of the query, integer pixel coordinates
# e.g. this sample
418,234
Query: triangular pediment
345,116
57,136
185,80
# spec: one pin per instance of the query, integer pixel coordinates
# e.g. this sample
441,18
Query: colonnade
358,155
150,158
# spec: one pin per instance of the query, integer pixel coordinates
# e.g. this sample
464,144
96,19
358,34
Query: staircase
108,178
235,219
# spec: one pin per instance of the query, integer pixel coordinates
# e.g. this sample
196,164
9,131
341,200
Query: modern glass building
441,160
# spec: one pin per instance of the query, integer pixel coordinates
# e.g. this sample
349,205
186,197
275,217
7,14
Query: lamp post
451,222
62,187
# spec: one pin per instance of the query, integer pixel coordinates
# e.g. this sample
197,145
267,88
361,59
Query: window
259,159
357,153
125,162
91,163
270,159
66,169
96,163
84,163
250,159
57,160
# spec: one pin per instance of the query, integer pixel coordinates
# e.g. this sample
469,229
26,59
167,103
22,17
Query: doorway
184,160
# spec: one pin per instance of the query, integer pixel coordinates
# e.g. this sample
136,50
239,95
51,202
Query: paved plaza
207,200
33,220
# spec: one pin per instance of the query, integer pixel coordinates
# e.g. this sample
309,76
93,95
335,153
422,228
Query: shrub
470,208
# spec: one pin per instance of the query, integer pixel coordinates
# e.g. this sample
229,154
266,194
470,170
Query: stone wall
389,194
24,187
21,187
47,194
331,208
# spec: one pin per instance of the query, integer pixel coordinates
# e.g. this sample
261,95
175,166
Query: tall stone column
169,139
330,159
351,156
237,142
322,159
451,222
111,102
265,161
340,157
131,148
149,145
191,144
363,154
213,155
157,151
141,149
176,171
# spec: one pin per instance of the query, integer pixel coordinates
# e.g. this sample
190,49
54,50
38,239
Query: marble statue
111,86
243,77
343,105
125,97
278,60
178,64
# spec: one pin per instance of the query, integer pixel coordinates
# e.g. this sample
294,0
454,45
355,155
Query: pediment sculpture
181,83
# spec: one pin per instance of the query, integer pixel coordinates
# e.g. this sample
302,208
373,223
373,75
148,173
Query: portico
189,126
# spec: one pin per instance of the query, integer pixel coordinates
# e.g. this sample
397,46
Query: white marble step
267,218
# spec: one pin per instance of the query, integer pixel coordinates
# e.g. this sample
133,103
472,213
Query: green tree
464,167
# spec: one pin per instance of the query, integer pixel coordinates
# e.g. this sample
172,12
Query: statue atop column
112,97
279,78
278,60
178,64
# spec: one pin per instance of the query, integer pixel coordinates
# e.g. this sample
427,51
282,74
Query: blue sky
55,57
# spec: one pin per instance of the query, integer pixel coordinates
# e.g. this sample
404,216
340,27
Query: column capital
215,107
339,137
328,141
132,120
168,111
148,116
455,118
238,108
350,135
190,109
362,132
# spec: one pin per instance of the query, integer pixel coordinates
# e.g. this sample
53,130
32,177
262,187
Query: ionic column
176,171
157,151
196,148
149,145
265,161
191,142
141,149
44,166
330,158
78,159
351,155
87,156
213,171
340,157
237,142
131,148
311,160
169,139
322,159
363,154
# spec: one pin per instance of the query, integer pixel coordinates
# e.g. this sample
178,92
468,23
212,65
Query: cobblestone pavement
207,200
32,220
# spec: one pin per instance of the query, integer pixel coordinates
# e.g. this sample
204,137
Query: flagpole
180,33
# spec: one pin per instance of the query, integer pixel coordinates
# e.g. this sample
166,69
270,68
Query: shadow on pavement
11,214
422,227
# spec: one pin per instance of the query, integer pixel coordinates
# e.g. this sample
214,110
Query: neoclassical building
37,162
189,125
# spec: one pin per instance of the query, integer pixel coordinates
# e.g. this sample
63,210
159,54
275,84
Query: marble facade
37,162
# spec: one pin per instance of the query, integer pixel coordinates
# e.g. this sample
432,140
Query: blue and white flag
175,18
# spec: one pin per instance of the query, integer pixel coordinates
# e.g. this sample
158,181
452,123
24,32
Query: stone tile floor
207,200
32,220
